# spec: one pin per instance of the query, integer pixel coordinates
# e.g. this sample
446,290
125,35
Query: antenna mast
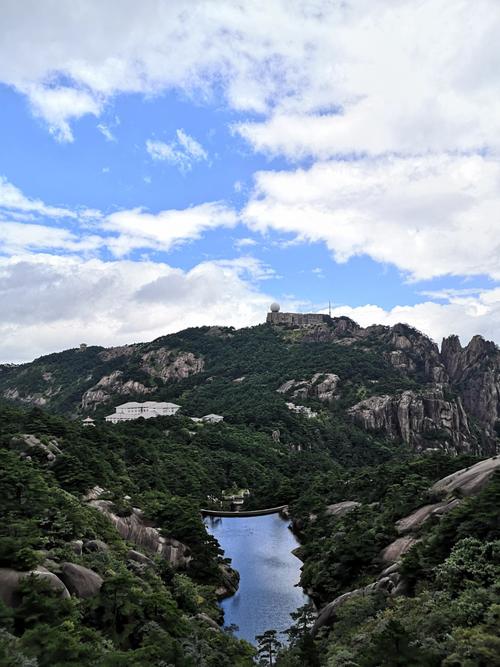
329,308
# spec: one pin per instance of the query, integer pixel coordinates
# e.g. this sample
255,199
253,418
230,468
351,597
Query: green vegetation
169,467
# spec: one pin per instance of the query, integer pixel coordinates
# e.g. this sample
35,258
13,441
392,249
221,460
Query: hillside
104,559
389,381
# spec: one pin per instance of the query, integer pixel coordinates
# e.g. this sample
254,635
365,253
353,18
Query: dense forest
65,488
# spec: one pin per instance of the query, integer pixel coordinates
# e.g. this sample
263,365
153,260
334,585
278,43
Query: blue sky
188,163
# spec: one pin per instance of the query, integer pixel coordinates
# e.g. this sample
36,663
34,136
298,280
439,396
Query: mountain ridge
392,380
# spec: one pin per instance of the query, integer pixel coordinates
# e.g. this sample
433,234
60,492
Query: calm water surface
260,548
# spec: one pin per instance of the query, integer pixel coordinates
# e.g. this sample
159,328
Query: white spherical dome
275,307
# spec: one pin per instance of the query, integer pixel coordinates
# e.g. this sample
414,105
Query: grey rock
475,374
230,581
108,387
95,546
414,520
328,614
424,420
341,509
28,443
468,481
134,528
10,580
77,547
80,581
170,365
139,558
396,549
322,386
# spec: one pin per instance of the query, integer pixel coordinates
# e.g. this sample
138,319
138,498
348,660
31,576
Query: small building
88,421
274,316
147,410
212,419
302,410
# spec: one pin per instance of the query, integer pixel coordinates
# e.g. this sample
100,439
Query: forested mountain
392,381
352,428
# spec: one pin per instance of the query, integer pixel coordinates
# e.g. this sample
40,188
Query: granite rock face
110,386
414,521
136,529
11,579
423,420
322,386
468,481
80,581
474,372
394,551
28,444
339,510
168,365
230,580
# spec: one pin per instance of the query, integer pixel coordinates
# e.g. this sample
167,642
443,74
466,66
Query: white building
88,421
212,419
148,409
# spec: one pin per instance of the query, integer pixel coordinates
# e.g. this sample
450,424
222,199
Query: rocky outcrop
416,519
322,386
168,365
136,529
80,581
386,584
339,510
28,445
110,386
230,580
400,546
414,354
423,420
475,374
468,481
39,399
10,581
138,557
95,546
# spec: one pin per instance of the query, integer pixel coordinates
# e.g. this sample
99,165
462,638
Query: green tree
268,646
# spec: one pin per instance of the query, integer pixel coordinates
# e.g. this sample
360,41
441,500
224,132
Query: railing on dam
269,510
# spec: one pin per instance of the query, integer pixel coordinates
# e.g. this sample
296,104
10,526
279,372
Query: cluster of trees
450,616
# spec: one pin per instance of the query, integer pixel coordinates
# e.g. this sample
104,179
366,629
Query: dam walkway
221,513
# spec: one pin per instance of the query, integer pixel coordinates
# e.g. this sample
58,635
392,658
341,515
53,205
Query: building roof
88,419
211,415
149,404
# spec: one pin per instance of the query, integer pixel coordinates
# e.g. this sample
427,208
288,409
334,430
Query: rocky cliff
394,381
425,420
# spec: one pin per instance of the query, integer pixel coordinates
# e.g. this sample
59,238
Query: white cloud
429,216
462,315
12,200
244,242
365,75
182,152
50,303
59,105
136,228
121,232
106,132
18,237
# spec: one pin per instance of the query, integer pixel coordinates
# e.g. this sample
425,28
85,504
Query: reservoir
260,549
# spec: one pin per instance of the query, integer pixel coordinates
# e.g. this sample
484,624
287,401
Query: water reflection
260,548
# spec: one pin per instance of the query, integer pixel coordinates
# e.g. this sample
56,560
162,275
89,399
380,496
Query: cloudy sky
174,163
